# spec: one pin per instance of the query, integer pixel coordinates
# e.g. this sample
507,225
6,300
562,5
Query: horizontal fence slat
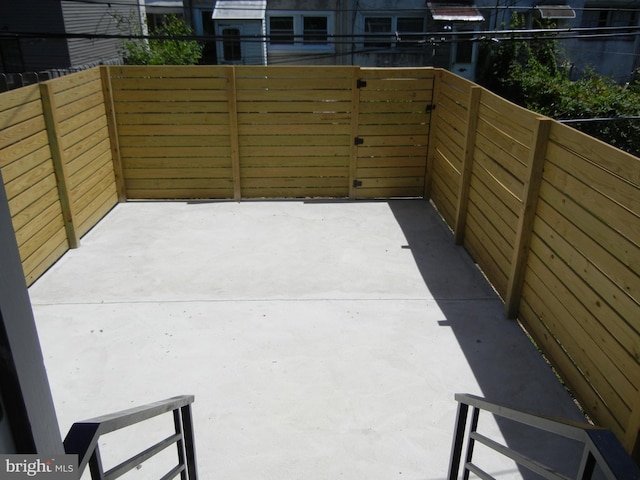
608,303
618,190
42,215
46,200
571,374
170,107
607,157
72,95
19,97
286,119
195,96
75,81
168,71
20,131
168,83
77,107
187,142
24,147
20,113
176,172
15,169
601,207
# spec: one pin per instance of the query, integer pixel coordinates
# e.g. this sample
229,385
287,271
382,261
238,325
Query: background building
40,32
37,35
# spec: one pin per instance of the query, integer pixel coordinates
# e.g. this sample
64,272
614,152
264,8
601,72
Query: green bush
165,51
528,73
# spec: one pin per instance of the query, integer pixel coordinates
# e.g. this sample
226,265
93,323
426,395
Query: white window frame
298,32
394,28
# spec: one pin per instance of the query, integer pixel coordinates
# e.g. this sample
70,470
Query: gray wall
118,18
51,17
35,16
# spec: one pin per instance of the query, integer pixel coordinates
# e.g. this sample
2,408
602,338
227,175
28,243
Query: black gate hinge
361,83
357,183
429,108
358,141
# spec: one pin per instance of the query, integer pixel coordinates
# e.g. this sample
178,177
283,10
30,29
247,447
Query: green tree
529,73
171,50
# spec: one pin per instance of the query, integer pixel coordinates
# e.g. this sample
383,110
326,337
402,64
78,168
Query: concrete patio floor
321,339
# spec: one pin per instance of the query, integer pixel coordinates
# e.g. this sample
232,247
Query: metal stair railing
600,447
83,437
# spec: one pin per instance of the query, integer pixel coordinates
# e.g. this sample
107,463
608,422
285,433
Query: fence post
527,216
467,164
112,126
435,97
59,162
355,123
232,98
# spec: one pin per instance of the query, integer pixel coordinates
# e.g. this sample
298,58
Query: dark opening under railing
600,447
83,437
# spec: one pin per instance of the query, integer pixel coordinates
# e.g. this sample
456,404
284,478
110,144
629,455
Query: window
407,27
281,30
387,32
231,45
315,30
603,17
464,49
299,31
374,29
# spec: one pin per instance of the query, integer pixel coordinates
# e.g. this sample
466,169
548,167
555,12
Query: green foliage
528,73
169,51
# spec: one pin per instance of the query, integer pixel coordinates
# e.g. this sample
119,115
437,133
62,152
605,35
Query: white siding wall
252,52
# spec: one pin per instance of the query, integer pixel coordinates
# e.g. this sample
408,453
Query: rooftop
322,339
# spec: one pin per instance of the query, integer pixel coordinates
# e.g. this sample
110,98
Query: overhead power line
412,37
600,7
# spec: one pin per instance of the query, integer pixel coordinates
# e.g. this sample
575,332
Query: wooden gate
393,131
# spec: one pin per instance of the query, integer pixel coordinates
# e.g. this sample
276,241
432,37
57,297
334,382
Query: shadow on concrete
506,365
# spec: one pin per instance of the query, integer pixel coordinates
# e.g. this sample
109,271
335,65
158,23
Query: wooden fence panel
85,146
173,131
30,182
553,219
294,131
447,143
581,296
393,131
503,142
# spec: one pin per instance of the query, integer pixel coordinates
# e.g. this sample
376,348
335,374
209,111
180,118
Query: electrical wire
346,10
431,37
415,39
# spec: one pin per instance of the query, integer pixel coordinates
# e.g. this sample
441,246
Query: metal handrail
82,439
600,447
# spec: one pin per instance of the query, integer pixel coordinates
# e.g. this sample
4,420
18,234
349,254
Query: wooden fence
550,215
56,163
248,132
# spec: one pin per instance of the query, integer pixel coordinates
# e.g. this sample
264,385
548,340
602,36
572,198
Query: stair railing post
458,440
189,443
177,422
95,465
472,428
